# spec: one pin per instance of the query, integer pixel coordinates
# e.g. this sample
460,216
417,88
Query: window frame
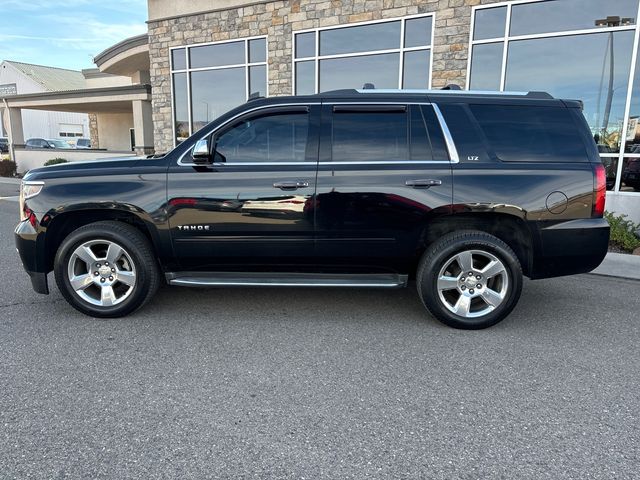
401,50
188,70
506,38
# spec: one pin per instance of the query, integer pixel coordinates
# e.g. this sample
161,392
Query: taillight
599,190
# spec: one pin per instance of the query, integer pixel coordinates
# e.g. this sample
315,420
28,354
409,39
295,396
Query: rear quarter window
519,133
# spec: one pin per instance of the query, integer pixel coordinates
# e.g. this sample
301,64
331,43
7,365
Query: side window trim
448,138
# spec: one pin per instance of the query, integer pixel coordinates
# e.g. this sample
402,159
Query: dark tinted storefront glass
305,45
257,50
354,72
416,69
180,106
632,144
417,32
490,23
214,92
369,137
630,181
258,80
559,15
486,66
305,78
217,55
364,38
178,59
530,134
577,67
611,171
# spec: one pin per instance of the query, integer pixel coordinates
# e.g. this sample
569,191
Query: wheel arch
509,228
62,224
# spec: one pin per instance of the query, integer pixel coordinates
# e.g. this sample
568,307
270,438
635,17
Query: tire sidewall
429,283
63,257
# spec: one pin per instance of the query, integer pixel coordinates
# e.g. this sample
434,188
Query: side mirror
201,154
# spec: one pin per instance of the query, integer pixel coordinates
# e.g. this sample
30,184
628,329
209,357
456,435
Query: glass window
369,136
354,72
420,146
611,171
417,65
257,50
565,15
306,45
632,144
417,32
178,59
583,76
217,55
180,106
436,137
258,80
363,38
630,181
486,66
269,138
518,133
490,23
214,92
305,78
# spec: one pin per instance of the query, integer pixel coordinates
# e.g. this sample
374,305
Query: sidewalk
620,265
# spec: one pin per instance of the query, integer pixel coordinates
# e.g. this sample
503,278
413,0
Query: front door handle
291,185
423,183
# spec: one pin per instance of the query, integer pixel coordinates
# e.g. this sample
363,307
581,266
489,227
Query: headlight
31,189
28,189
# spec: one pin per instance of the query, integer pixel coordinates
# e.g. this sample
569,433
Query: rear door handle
423,183
291,185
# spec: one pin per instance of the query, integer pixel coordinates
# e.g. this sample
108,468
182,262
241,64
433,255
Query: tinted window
490,23
364,38
278,137
416,69
417,32
354,72
214,92
436,137
217,55
369,136
486,65
531,134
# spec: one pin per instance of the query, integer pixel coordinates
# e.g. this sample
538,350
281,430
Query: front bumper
569,248
29,243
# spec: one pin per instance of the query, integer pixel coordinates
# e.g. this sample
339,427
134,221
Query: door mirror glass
201,154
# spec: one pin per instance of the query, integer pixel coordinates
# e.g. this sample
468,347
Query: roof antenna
368,86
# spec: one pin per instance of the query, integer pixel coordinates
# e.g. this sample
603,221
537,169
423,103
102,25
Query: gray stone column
143,127
13,121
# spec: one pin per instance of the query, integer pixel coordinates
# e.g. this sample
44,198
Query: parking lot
317,384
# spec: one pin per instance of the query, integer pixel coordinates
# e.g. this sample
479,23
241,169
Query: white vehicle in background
83,143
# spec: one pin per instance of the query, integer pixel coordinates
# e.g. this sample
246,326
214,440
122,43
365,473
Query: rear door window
370,134
519,133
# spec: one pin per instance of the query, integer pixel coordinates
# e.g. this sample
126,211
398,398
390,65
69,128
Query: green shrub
55,161
623,232
7,168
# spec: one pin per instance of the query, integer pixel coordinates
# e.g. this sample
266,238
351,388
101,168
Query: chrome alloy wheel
472,283
102,273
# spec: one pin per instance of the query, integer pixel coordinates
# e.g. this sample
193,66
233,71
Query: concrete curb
619,265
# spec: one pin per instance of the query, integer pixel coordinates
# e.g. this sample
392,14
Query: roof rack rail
254,96
456,90
451,86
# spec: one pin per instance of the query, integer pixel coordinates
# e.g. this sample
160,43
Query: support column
143,127
13,121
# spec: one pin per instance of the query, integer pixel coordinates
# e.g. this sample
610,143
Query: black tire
442,253
139,259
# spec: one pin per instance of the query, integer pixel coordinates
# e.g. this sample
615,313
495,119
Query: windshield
59,144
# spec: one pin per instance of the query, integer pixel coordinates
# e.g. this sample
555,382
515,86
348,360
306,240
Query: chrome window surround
451,147
401,49
507,38
187,70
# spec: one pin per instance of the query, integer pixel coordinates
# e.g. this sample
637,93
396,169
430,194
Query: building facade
207,56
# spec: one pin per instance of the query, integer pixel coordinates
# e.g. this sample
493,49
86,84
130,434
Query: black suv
4,145
463,191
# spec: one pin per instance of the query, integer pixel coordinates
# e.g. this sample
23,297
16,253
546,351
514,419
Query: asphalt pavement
315,384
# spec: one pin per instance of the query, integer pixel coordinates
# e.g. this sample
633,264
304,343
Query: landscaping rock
636,251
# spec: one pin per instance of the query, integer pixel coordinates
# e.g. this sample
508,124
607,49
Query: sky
68,33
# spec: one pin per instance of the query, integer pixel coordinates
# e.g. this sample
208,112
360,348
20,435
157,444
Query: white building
18,78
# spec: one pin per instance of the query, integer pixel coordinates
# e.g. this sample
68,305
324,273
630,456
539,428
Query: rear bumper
572,247
28,242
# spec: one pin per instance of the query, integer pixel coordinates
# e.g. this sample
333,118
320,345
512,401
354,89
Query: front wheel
469,280
106,269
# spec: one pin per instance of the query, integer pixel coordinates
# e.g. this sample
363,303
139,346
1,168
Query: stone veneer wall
278,19
93,130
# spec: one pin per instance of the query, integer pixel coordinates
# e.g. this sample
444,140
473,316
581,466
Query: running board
251,279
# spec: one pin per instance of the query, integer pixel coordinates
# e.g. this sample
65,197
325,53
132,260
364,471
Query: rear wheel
469,280
106,269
